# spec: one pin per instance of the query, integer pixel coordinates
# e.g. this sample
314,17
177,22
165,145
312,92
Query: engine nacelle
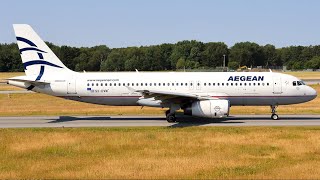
209,108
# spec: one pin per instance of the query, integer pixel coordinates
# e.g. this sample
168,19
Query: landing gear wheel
167,112
171,118
274,117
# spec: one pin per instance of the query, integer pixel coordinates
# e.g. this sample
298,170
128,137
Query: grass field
161,153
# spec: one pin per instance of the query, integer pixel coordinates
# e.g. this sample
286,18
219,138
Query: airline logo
246,78
41,61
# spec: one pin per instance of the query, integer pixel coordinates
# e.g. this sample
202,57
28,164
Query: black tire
171,118
274,117
167,112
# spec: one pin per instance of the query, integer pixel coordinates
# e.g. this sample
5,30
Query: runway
144,121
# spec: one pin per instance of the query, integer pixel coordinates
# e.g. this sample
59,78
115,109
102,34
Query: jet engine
208,108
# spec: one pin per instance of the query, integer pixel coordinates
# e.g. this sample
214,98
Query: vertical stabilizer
38,59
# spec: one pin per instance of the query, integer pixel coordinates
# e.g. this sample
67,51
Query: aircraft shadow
104,118
182,120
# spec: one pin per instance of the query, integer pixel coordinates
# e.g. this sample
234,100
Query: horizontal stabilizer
28,79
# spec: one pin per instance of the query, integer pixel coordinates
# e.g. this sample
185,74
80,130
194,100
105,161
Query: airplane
201,94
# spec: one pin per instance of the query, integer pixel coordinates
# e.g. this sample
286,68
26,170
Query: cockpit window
294,83
298,83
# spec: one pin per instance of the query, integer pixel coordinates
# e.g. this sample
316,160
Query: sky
123,23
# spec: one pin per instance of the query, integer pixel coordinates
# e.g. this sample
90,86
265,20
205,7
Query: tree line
182,55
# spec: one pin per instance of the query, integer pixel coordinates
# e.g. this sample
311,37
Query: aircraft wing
176,97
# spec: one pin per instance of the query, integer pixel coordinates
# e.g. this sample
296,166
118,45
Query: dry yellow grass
161,153
5,75
305,74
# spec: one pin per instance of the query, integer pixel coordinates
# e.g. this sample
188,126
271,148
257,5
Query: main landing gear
274,116
170,114
171,117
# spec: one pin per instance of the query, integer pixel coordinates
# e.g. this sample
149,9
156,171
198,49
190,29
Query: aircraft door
71,87
277,85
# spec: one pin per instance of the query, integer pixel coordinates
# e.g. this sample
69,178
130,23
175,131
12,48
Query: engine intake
209,108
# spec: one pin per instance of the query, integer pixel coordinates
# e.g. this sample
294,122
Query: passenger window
213,84
137,84
88,84
92,84
204,84
267,84
159,84
155,84
97,84
146,84
218,84
115,84
101,84
231,84
119,84
110,84
106,84
150,84
181,84
186,84
222,84
227,84
124,84
245,84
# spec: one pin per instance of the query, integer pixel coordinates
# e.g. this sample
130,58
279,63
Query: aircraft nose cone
312,92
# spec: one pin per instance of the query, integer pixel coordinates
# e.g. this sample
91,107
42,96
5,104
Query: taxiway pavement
140,121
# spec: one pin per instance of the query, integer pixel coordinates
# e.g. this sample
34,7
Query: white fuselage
240,88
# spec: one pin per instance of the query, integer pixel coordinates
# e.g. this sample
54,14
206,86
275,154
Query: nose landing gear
274,116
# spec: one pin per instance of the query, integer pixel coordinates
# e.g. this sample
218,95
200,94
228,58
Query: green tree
247,53
270,55
234,65
314,63
213,54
